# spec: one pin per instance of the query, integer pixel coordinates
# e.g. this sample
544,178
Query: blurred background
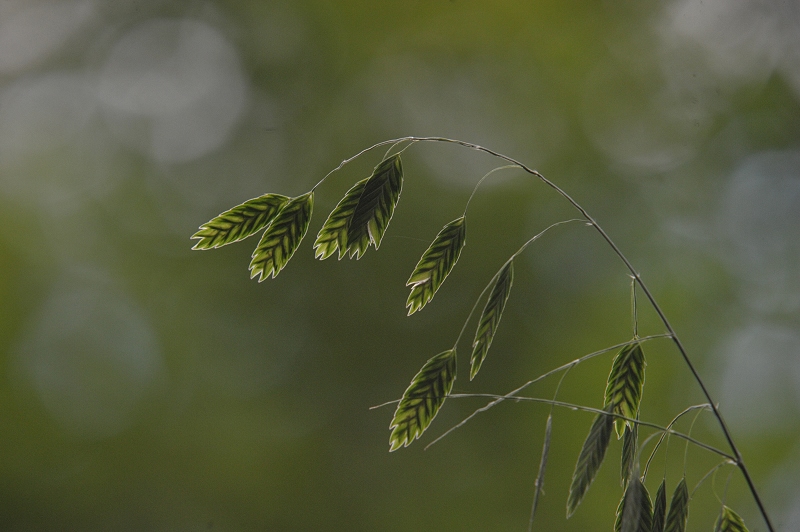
146,386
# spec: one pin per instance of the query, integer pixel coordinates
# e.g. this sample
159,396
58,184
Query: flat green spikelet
363,215
625,382
490,318
376,206
239,222
282,237
333,235
729,521
436,264
678,509
423,399
590,459
635,511
629,448
660,507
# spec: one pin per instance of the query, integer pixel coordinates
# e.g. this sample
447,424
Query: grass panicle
239,222
422,399
282,237
436,264
590,459
361,219
490,318
625,382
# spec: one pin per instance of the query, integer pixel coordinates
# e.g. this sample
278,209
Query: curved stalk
737,455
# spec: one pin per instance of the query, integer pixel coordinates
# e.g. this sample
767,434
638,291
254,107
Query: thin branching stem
712,471
481,180
359,154
686,450
472,311
572,406
737,455
634,315
664,434
494,277
513,394
385,155
537,236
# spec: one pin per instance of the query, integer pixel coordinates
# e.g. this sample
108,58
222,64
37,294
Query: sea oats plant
361,219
